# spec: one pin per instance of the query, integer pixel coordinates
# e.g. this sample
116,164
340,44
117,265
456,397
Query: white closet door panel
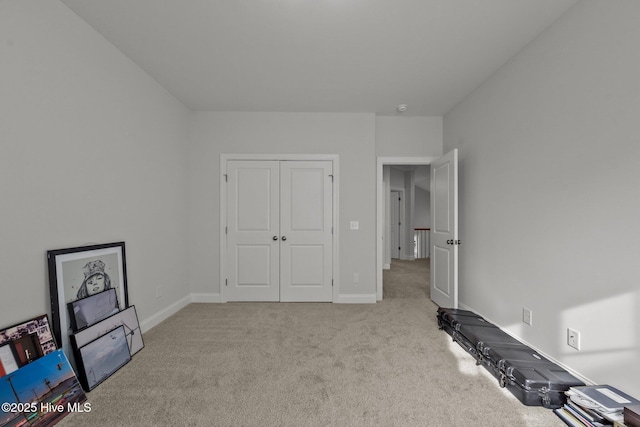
253,200
306,221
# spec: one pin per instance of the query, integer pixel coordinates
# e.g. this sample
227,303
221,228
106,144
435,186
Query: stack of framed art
90,311
37,384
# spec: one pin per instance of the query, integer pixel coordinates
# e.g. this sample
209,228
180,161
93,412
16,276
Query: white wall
549,206
92,150
405,136
351,136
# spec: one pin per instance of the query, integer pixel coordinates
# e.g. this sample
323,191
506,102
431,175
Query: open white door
444,230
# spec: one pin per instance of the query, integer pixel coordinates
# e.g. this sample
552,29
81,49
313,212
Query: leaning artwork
77,273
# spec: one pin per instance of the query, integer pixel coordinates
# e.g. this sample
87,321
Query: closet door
279,231
253,231
306,221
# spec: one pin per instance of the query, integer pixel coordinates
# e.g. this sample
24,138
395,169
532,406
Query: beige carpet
308,364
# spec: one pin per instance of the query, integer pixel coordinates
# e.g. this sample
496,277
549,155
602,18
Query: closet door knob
284,238
275,237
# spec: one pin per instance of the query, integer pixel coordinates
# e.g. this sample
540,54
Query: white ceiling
320,55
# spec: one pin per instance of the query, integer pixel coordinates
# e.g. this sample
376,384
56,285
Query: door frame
334,158
380,206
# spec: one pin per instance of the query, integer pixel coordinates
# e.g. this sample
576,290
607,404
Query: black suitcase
486,336
472,332
531,378
451,320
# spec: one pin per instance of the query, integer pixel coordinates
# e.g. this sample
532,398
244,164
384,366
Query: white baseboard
356,299
387,267
148,323
213,298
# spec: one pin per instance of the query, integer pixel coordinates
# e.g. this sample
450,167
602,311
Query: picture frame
27,341
72,269
102,357
128,318
88,311
47,381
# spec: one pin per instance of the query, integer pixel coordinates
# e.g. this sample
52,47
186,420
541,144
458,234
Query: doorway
383,210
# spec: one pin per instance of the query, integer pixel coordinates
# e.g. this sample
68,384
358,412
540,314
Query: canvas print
127,318
99,359
26,341
77,273
88,311
30,393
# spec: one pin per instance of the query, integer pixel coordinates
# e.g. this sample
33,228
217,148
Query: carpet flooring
308,364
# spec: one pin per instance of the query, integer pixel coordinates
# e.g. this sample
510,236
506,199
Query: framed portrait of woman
80,272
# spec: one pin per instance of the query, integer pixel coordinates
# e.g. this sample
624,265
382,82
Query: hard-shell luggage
530,377
486,336
534,380
451,320
472,332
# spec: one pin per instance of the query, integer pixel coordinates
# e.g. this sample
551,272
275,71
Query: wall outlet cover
573,338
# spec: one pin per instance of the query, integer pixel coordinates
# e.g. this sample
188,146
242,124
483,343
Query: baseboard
387,267
148,323
356,299
211,297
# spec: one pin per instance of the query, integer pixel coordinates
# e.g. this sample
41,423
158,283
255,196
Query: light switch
354,225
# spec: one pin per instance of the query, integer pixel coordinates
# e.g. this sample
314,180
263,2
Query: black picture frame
91,310
102,357
128,318
69,271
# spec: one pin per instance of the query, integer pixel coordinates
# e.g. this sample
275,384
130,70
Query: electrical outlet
527,316
573,338
356,278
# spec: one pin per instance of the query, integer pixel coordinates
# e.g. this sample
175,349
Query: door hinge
226,177
226,282
225,230
332,283
331,178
